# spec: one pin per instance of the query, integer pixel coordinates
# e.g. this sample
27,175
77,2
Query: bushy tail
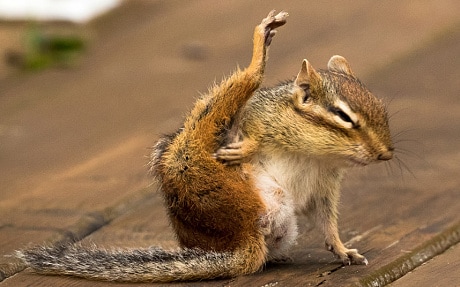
136,265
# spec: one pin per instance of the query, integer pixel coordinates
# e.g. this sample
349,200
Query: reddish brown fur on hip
211,206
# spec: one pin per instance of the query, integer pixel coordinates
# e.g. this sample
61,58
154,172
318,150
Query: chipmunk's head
343,118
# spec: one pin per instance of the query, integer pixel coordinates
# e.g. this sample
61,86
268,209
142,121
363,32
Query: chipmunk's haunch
245,162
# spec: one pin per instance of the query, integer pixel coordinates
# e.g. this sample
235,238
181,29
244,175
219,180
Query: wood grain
74,143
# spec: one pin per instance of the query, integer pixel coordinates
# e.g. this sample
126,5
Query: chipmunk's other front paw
270,23
231,154
348,256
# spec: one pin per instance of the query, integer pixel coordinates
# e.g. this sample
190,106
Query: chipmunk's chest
299,176
288,185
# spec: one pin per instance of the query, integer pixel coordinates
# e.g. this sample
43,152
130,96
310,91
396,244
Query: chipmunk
245,162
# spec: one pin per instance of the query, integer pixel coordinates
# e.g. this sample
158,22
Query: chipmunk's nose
386,155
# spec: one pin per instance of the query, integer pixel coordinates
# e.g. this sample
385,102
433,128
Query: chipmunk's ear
340,65
307,77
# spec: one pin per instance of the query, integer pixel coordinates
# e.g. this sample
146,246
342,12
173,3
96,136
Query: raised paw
270,23
348,256
231,154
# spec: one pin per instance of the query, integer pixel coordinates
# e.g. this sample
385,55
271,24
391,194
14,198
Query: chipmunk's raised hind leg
235,152
215,113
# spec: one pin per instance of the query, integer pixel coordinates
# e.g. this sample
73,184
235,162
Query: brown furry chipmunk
245,162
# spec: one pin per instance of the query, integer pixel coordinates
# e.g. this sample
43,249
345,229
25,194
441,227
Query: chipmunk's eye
343,116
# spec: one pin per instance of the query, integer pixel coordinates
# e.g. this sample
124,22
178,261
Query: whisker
408,152
398,164
403,132
403,166
395,113
405,141
388,168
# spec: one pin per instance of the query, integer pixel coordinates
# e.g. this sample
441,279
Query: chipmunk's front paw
270,23
231,154
348,256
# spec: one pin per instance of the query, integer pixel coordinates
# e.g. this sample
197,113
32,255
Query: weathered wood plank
440,271
80,160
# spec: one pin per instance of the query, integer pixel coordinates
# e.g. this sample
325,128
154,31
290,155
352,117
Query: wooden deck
73,143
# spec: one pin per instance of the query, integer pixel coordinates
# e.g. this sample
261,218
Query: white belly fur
287,185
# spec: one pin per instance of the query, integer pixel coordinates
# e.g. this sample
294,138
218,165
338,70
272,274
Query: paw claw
348,256
281,16
230,154
353,257
271,22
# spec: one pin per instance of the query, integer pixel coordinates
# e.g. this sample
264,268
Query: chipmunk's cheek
360,156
